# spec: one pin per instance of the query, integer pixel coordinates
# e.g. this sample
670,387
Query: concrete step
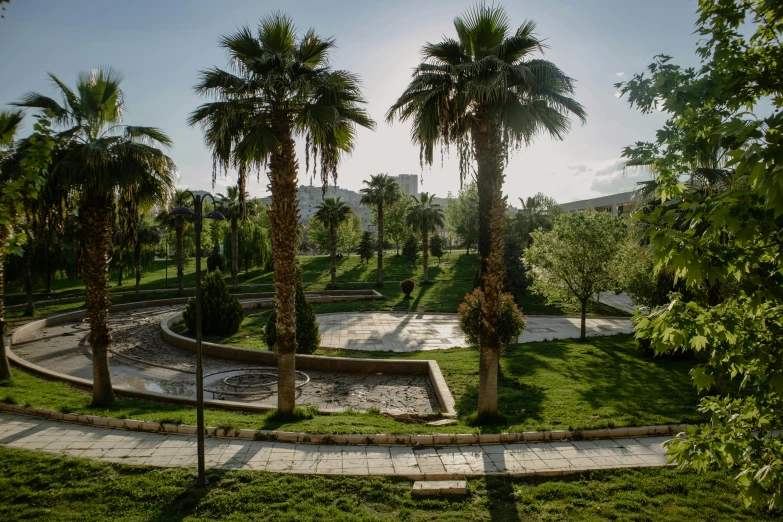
440,487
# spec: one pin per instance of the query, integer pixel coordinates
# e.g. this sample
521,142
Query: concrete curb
357,439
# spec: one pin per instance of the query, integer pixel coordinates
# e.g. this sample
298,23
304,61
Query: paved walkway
163,449
401,332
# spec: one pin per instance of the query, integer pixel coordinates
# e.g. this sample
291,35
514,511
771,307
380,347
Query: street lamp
198,216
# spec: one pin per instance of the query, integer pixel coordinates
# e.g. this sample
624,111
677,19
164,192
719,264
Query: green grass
44,487
453,278
542,386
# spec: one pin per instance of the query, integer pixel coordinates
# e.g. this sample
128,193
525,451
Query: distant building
409,184
617,204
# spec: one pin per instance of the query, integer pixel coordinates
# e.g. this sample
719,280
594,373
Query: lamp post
197,213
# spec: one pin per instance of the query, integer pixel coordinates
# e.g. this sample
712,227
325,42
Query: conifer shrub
308,335
221,312
214,260
410,250
512,322
407,287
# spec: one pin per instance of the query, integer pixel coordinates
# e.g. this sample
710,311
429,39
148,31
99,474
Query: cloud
620,74
577,168
613,178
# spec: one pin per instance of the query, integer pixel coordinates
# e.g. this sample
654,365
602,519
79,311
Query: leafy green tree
724,117
180,224
485,93
16,187
436,247
425,216
381,192
410,250
231,205
462,215
515,281
280,86
394,222
102,157
366,246
537,212
575,260
254,246
331,213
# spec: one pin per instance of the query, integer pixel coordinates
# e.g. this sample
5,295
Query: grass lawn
542,386
453,279
37,486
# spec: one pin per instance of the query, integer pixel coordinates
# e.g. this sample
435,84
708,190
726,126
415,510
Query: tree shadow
501,504
187,502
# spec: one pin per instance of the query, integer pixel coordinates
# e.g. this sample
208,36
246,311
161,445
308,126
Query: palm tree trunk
333,253
96,208
29,310
137,264
284,218
180,261
380,244
583,328
489,157
235,253
425,244
48,289
5,368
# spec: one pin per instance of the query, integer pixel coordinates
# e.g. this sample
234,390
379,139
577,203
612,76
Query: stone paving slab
401,332
442,463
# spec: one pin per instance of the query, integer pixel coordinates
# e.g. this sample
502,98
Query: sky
160,47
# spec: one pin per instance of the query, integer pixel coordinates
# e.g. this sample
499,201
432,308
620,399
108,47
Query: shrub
221,313
436,247
512,322
410,250
366,246
407,287
215,260
308,336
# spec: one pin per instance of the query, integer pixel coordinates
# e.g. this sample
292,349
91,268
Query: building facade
617,204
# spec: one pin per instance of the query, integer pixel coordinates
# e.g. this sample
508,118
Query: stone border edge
347,439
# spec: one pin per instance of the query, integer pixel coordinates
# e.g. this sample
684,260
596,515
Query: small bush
221,312
512,322
436,247
308,336
366,247
410,250
214,260
407,287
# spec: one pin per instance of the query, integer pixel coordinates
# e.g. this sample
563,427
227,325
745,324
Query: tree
365,246
537,212
484,93
180,224
254,247
425,217
232,208
436,247
16,186
410,250
515,281
575,260
332,213
726,241
349,233
462,215
100,158
394,222
133,202
283,88
381,191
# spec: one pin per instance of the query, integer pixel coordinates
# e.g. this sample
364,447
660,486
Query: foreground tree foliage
485,93
731,240
577,258
100,158
280,86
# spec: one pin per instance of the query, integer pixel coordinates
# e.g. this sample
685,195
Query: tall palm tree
101,158
381,190
231,206
280,86
485,93
332,213
9,126
179,224
537,212
426,217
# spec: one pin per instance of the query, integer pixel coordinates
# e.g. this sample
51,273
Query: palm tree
231,207
179,224
537,212
332,213
101,158
280,87
426,216
381,190
484,93
9,126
